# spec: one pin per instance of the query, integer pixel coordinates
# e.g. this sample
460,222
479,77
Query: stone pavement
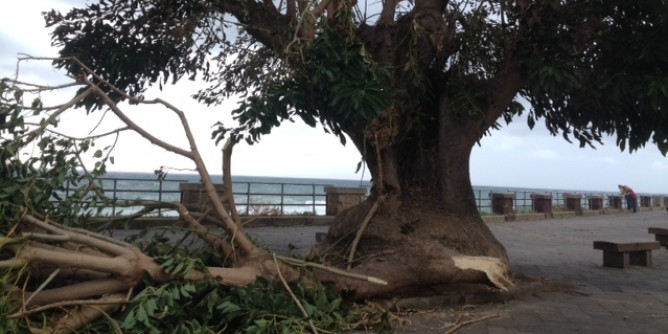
605,300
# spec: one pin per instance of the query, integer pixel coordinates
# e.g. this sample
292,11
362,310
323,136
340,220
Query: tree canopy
587,68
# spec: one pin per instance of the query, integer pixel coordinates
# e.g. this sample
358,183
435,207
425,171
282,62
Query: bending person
631,197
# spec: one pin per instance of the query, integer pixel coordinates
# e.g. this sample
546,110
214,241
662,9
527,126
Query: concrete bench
621,255
660,234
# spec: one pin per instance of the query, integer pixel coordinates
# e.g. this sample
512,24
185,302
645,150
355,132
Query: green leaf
228,306
141,315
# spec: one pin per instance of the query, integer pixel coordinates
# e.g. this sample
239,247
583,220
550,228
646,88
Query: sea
267,195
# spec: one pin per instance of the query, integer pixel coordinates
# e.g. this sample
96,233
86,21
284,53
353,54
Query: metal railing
251,198
523,201
274,198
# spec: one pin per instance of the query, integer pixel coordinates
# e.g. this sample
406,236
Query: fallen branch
85,237
62,258
297,262
82,316
228,194
43,285
294,298
202,232
102,301
76,291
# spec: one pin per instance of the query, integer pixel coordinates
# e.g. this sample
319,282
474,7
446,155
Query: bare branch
43,285
297,262
82,316
78,291
227,180
63,258
108,133
84,237
40,88
216,242
34,134
117,111
294,298
388,12
291,11
114,299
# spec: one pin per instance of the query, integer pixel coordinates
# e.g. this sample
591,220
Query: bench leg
616,259
641,258
663,239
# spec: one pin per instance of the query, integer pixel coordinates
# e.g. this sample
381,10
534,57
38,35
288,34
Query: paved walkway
606,300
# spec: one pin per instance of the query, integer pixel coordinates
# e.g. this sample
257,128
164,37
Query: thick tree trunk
426,231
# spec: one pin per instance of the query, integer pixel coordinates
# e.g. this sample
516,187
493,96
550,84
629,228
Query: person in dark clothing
631,197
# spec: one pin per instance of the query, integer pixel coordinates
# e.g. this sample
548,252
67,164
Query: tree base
412,246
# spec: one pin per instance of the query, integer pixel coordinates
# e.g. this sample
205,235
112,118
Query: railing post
282,196
313,199
160,196
113,205
248,185
479,202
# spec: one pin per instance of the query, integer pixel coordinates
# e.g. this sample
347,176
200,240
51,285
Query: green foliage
588,68
128,53
41,170
8,287
331,79
598,68
210,307
51,182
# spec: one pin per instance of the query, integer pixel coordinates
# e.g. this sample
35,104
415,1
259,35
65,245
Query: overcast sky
511,157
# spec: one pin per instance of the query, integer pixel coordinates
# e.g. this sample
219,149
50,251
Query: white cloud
659,165
497,142
609,160
547,154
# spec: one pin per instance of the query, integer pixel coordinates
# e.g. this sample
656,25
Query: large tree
413,84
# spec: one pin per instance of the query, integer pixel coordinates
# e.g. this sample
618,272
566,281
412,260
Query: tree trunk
427,231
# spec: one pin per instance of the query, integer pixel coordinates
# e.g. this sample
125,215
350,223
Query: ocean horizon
217,178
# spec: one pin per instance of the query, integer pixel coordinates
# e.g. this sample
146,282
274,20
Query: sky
513,156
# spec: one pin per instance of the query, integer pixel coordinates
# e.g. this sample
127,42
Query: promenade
604,300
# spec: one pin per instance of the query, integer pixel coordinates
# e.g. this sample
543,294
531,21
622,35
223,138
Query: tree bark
427,230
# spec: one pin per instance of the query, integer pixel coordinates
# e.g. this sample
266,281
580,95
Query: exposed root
360,232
